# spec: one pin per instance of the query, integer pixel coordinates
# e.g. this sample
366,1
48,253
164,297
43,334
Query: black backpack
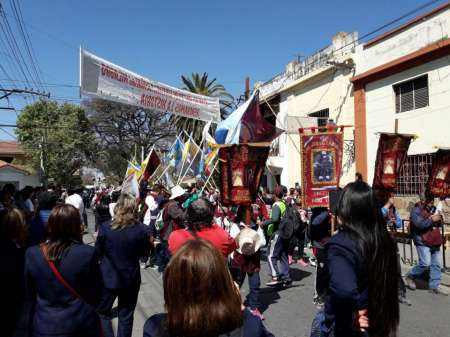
289,223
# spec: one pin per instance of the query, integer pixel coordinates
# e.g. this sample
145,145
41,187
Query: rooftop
10,148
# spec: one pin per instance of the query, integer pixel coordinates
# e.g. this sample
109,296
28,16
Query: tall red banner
391,154
241,169
439,180
321,155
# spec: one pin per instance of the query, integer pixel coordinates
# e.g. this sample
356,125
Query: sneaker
313,262
287,283
438,291
410,283
143,265
273,282
302,263
257,313
290,259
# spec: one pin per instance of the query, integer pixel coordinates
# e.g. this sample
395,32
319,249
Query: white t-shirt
111,209
151,207
76,201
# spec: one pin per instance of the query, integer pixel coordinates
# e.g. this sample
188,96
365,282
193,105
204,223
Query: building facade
309,93
402,83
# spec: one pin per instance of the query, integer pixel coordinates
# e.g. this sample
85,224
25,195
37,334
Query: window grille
322,116
411,95
414,174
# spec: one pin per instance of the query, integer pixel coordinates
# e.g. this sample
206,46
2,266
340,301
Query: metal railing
404,238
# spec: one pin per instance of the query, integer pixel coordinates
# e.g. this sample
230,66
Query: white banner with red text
103,79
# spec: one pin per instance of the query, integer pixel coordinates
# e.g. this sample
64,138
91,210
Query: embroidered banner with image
321,154
439,179
391,154
241,169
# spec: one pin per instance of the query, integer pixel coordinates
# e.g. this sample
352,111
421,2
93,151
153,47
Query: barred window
412,94
414,174
322,116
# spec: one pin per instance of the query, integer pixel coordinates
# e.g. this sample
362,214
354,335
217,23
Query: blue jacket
55,310
346,292
420,223
120,251
253,326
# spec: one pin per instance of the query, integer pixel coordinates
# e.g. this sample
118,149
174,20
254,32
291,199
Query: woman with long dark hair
201,298
63,280
362,268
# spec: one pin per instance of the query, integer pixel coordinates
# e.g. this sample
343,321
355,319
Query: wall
430,124
415,37
10,175
330,89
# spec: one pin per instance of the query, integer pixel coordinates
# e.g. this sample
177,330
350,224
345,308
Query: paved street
289,312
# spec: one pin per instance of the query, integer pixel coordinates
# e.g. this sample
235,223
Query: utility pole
247,88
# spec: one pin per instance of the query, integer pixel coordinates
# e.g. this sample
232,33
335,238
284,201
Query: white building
404,75
309,93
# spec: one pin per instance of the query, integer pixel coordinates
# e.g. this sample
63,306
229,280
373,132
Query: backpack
289,223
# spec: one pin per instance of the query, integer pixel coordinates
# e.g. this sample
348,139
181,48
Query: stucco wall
11,175
413,38
331,90
431,124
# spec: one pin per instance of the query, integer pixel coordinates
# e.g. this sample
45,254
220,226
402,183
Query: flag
175,154
130,185
246,125
132,167
150,164
206,135
439,178
186,151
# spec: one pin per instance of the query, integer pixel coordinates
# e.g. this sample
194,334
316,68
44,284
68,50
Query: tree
203,86
123,131
56,138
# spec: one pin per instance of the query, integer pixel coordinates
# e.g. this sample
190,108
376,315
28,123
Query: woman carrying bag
63,280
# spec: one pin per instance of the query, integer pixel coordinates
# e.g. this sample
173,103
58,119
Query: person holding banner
426,233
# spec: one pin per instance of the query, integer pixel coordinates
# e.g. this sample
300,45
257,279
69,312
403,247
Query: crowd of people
204,252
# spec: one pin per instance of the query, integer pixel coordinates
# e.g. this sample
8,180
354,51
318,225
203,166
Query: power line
47,84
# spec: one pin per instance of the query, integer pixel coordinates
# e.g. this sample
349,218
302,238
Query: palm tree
203,86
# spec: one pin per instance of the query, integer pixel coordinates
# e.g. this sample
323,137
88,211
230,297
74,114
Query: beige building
404,76
310,92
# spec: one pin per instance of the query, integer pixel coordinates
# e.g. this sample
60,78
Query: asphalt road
289,312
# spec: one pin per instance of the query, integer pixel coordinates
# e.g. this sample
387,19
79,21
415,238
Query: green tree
57,139
202,85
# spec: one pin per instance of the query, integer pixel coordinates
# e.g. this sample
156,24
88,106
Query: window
322,116
414,174
411,95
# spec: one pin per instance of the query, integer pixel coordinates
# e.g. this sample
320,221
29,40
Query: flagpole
184,161
192,160
215,165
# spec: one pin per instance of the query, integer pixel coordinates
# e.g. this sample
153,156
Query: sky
163,40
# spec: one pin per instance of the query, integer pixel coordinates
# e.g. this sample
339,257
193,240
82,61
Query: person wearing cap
424,219
246,260
199,219
173,217
279,247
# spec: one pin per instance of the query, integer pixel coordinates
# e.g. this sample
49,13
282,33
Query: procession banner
241,169
321,155
391,154
103,79
439,179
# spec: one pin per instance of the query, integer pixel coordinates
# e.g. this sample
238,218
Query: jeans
254,284
429,259
162,256
321,281
126,305
278,251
